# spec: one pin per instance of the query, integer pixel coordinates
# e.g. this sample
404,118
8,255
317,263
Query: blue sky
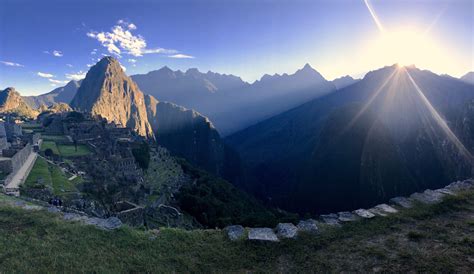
45,43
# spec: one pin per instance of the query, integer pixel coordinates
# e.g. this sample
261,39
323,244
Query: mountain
108,92
12,102
58,95
228,101
387,135
190,89
344,81
468,77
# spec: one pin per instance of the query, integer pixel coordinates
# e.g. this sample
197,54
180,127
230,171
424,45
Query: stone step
364,213
262,234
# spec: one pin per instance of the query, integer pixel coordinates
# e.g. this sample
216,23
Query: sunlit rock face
12,102
392,133
108,92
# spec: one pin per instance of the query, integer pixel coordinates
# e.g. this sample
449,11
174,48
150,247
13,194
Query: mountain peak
11,101
107,91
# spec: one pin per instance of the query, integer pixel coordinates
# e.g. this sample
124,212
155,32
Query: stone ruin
395,205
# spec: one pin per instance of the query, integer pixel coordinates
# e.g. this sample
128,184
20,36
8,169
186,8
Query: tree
48,152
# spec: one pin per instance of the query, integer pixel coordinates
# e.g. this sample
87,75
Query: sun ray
440,121
374,16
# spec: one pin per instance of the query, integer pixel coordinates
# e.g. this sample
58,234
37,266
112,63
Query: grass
41,242
70,150
56,138
51,145
52,176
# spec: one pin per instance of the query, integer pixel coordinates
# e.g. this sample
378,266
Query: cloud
69,65
124,68
132,60
120,40
181,56
54,81
45,75
76,76
94,51
56,53
11,64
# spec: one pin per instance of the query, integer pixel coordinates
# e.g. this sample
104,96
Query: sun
406,47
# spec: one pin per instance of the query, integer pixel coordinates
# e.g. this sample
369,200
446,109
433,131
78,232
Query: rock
262,234
402,201
460,185
446,191
346,216
309,225
364,213
330,219
286,230
383,210
53,209
428,197
235,232
74,217
32,207
109,223
153,234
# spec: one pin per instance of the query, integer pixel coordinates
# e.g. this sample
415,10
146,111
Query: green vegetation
73,151
51,176
141,153
38,241
215,202
49,142
50,145
55,138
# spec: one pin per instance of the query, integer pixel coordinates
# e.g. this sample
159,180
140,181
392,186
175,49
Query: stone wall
17,162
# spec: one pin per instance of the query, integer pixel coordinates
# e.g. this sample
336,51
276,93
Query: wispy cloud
94,51
11,64
45,75
120,40
132,60
54,81
181,56
76,76
69,65
56,53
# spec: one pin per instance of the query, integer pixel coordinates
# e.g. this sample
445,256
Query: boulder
262,234
402,201
235,232
364,213
309,225
286,230
330,219
446,191
346,216
460,185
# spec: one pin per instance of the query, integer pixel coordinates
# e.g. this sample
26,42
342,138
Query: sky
44,44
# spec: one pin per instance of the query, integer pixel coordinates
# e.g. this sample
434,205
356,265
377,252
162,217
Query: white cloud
57,81
57,53
181,56
121,41
76,76
45,75
69,65
54,85
11,64
124,68
132,60
89,65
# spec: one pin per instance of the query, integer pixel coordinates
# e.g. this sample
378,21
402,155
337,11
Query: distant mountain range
229,102
108,92
58,95
468,77
387,135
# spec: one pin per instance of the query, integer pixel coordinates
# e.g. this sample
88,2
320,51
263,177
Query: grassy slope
52,176
430,239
